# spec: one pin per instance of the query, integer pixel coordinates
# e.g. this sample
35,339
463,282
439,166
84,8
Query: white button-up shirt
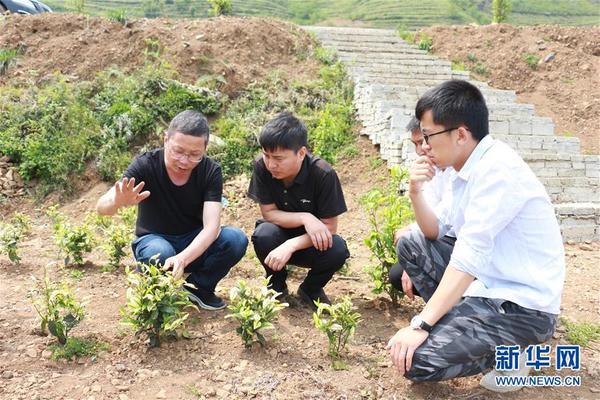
507,233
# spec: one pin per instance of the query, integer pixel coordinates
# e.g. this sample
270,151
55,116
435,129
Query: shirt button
285,203
284,191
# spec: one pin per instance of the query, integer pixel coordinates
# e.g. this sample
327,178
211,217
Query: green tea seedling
155,303
73,241
338,322
11,234
532,60
255,308
220,7
388,211
57,308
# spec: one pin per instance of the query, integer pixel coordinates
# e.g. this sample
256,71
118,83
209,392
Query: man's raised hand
127,193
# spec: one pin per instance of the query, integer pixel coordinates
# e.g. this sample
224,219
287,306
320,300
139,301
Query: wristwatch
418,323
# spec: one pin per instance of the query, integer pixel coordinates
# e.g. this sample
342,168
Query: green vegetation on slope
377,13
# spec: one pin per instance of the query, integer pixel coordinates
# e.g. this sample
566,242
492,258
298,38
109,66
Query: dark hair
455,103
285,131
413,125
191,123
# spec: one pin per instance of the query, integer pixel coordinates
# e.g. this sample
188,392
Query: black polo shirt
316,189
172,209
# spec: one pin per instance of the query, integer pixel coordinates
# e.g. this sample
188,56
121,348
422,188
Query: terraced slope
390,75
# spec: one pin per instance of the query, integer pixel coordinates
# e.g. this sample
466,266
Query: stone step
579,221
375,48
386,91
399,69
386,57
349,31
351,61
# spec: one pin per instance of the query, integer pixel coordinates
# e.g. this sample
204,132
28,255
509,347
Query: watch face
415,322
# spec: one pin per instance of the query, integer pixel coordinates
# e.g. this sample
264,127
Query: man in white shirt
433,192
500,284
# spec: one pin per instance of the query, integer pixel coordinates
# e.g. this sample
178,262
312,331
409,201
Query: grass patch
581,333
531,60
480,69
76,348
458,66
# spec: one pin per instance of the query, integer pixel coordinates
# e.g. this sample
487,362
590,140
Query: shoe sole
203,305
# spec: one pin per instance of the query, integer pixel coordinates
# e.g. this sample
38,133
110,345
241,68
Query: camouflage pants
463,342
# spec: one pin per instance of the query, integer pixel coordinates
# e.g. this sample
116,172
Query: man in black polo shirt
300,198
179,213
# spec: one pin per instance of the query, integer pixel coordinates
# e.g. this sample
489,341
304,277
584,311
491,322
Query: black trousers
322,264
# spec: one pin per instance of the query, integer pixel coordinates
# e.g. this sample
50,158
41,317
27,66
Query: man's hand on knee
277,259
402,347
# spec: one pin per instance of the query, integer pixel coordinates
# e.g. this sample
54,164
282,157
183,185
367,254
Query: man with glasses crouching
178,190
500,284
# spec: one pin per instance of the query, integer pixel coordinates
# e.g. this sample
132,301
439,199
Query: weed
581,333
500,10
532,60
458,66
480,69
325,56
7,58
425,42
255,308
118,15
388,210
77,347
76,274
338,322
155,303
57,308
472,58
407,36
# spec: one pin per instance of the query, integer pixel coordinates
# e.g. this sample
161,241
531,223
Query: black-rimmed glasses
427,136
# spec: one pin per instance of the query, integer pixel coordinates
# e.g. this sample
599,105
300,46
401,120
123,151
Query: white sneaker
488,381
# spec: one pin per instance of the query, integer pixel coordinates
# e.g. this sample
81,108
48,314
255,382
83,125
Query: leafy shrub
532,60
57,308
11,234
118,15
338,322
325,56
407,36
255,308
73,241
388,210
155,303
220,7
116,238
500,10
332,131
7,58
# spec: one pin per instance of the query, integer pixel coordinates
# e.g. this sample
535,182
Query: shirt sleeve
258,190
214,184
495,199
330,198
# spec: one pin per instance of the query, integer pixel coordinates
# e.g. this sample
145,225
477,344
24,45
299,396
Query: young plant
532,60
255,308
73,241
500,10
155,302
338,322
11,234
57,307
388,211
220,7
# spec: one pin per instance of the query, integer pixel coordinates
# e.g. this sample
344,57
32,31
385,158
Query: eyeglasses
179,156
427,136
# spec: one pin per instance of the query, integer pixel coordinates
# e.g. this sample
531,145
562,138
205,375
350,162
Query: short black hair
456,103
189,122
285,131
413,125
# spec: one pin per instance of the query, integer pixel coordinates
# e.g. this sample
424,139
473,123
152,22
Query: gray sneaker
488,381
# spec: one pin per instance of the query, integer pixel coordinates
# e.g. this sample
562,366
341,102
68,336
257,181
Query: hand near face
127,193
421,171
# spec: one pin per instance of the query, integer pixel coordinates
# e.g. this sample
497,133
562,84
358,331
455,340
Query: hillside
376,13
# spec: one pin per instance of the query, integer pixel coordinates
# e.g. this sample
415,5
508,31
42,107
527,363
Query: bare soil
566,88
240,49
213,362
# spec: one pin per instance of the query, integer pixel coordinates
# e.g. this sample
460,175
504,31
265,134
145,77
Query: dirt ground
213,363
566,88
240,49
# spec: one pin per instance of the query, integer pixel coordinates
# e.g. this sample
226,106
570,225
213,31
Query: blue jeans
208,269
